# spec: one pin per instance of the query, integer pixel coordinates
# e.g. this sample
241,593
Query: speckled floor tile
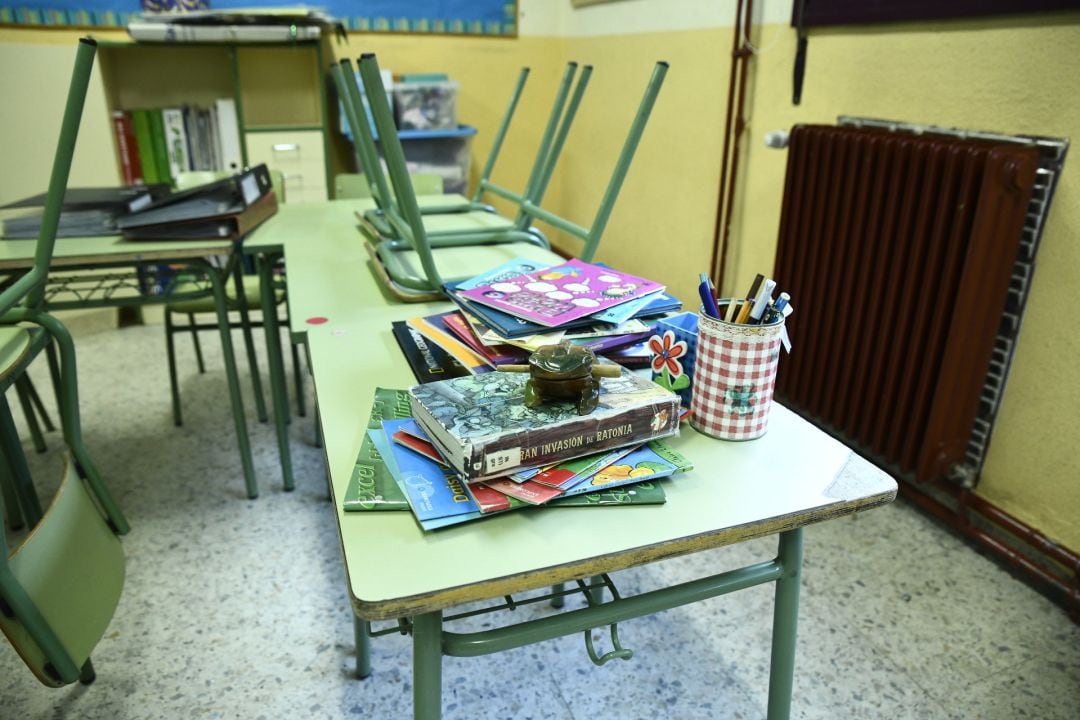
237,609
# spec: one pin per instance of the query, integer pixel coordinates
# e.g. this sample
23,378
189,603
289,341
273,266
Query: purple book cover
562,293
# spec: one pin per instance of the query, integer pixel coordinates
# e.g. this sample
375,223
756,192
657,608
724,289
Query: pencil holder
734,377
673,348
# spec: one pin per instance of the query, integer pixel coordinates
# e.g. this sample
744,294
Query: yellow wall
1019,75
1006,74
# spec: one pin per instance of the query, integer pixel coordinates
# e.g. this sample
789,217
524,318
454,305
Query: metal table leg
278,389
785,621
236,400
249,344
363,647
427,666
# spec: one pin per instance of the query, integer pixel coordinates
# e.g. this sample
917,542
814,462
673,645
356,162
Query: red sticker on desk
316,320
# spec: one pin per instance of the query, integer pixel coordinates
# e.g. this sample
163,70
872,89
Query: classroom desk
793,476
113,252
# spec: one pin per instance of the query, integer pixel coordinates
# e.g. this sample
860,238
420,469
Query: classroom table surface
19,254
793,476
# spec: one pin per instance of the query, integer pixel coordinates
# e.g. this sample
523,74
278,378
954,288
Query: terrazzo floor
237,609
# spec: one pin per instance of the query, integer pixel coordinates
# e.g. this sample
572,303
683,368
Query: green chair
60,587
459,223
21,305
203,305
404,213
350,186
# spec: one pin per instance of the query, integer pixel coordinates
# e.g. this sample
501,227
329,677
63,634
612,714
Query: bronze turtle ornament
564,372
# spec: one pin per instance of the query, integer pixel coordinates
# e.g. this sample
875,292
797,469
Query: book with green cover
372,486
140,119
160,146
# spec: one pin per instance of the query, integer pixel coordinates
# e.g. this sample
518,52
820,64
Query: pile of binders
225,209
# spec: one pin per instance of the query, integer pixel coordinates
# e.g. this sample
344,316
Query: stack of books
156,145
467,448
509,311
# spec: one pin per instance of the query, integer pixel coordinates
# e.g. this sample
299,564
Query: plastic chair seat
64,580
252,296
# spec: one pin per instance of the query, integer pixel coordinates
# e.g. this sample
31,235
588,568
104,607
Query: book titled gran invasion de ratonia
481,425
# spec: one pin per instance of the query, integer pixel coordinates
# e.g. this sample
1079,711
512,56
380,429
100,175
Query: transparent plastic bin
442,152
426,105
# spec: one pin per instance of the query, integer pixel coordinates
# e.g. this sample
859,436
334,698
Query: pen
762,300
708,302
744,312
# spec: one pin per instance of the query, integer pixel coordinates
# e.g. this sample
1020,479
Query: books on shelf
256,24
155,145
481,426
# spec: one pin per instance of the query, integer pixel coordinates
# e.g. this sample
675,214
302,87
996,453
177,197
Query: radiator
899,251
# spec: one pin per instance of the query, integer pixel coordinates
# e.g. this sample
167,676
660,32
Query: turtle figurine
564,371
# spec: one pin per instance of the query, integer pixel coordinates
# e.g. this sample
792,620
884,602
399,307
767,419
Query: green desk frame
105,253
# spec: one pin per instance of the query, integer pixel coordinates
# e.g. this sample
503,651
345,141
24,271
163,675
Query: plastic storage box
426,104
441,152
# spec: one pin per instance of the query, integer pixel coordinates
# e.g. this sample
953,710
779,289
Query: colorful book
653,461
563,293
639,493
176,141
529,492
428,361
482,427
372,486
433,490
127,150
144,144
434,328
509,326
495,355
567,474
160,146
417,445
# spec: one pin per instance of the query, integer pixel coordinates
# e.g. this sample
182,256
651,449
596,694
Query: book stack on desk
511,310
467,448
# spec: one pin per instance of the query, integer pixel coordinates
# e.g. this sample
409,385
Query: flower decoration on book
665,363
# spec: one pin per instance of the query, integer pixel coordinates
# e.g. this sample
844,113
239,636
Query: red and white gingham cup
734,375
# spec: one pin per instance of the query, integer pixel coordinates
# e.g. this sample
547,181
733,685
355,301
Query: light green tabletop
328,262
19,254
792,476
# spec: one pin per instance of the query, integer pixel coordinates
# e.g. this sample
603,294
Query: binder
226,208
225,227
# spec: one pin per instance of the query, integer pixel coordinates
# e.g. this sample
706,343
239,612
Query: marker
708,302
762,301
781,302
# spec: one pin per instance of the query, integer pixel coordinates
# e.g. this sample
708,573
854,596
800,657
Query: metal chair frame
404,214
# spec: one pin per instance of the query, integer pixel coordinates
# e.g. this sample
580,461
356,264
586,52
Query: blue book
433,491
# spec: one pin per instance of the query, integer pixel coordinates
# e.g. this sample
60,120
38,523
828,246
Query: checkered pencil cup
734,375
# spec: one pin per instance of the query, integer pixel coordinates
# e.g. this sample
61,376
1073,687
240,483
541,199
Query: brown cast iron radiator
898,249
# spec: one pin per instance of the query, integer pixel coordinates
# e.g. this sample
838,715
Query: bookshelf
278,90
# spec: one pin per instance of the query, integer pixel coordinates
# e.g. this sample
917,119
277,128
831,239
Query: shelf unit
279,90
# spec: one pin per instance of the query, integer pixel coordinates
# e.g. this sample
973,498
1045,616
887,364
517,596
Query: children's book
495,355
417,445
434,329
433,490
529,492
428,361
651,462
481,426
640,493
563,293
567,474
372,486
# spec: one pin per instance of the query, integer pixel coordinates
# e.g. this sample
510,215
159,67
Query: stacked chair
60,587
409,234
